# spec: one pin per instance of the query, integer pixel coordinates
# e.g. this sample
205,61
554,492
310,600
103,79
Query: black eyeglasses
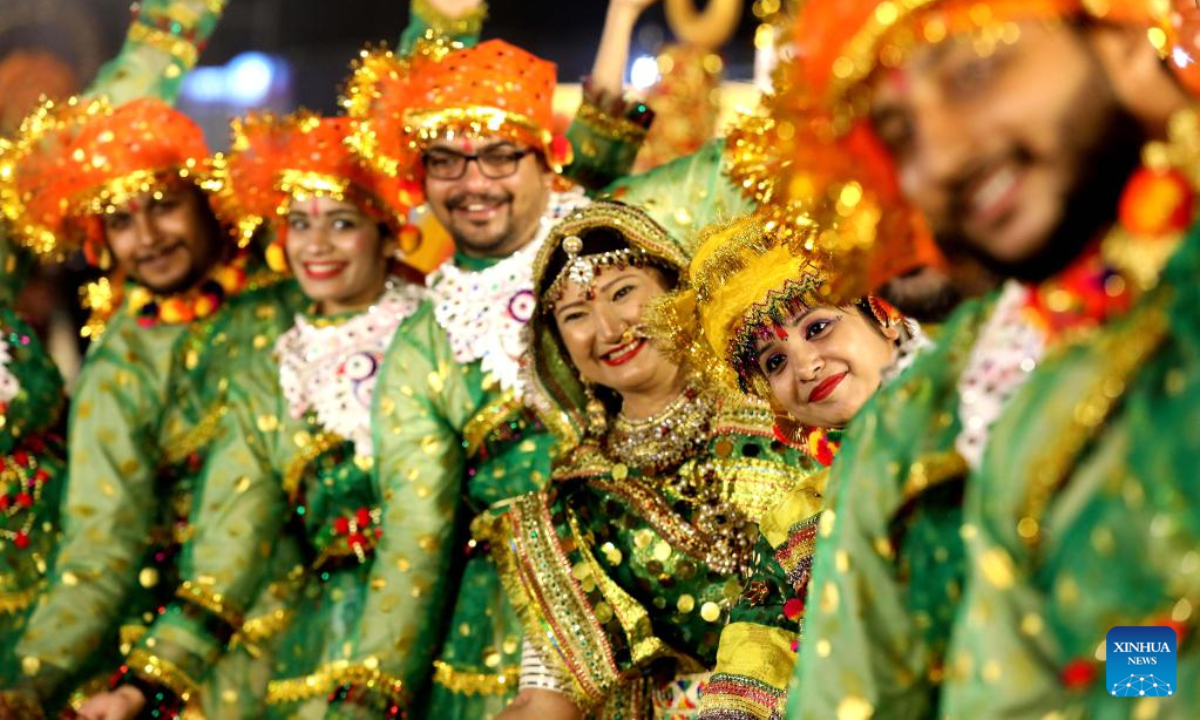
494,162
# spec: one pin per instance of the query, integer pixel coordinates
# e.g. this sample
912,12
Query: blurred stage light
644,72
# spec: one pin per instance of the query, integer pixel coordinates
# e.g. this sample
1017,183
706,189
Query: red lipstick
623,354
826,387
326,271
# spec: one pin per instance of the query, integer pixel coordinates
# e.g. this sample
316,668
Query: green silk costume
142,418
889,557
32,468
957,478
1088,519
289,504
624,570
160,47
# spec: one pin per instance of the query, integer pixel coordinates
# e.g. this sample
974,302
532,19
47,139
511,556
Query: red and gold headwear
493,89
274,160
745,281
73,161
836,167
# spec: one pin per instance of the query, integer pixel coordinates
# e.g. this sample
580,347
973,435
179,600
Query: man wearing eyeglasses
488,193
472,127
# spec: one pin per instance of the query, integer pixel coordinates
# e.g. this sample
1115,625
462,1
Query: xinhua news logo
1140,662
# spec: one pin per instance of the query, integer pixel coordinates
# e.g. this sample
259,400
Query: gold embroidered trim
173,45
257,629
932,469
489,419
163,672
129,635
549,599
609,126
1127,352
332,675
469,683
211,601
320,444
19,600
196,438
469,24
756,486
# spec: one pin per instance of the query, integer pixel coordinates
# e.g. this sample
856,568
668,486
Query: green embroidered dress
1089,519
142,418
625,569
290,508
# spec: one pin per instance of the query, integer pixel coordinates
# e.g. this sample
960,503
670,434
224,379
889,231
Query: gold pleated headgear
745,280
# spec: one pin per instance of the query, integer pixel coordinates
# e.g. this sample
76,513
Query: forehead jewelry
581,270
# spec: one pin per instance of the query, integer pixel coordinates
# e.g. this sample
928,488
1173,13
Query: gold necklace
665,439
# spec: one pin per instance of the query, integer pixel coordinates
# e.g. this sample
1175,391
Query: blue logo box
1140,661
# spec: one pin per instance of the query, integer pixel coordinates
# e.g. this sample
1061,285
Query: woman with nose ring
624,571
289,504
754,306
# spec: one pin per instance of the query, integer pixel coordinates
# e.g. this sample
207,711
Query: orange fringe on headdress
73,161
274,160
493,89
835,168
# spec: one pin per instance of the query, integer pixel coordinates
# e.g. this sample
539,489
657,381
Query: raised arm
458,21
608,129
164,42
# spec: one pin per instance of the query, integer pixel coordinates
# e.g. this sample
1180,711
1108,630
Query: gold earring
597,415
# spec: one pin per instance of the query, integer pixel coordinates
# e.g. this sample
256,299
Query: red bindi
898,79
314,208
780,331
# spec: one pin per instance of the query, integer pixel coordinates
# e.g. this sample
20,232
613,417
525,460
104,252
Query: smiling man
120,183
1012,497
475,127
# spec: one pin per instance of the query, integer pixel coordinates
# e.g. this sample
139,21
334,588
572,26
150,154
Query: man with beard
1013,496
121,184
473,128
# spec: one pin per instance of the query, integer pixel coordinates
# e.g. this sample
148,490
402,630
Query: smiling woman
754,306
661,474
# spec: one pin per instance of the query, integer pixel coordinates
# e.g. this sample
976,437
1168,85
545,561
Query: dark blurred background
290,53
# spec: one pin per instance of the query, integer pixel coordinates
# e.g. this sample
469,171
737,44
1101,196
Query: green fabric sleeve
424,22
687,194
605,144
111,498
237,517
163,43
421,398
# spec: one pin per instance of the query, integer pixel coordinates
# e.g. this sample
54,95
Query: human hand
124,703
454,9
